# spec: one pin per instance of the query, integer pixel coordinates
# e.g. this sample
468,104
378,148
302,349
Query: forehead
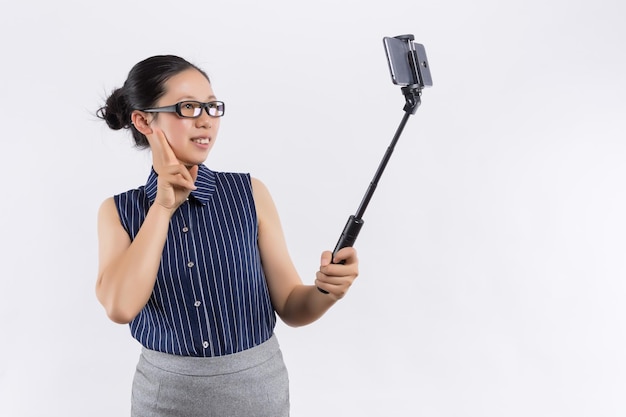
189,84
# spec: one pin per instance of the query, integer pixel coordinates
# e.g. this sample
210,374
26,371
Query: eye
215,108
190,108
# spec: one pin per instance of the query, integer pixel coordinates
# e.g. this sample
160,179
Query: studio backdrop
492,255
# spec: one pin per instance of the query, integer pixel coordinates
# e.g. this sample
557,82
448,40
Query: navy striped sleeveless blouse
210,297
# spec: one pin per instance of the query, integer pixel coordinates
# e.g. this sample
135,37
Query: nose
204,120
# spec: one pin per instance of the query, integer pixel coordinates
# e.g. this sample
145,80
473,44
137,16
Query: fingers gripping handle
349,234
347,238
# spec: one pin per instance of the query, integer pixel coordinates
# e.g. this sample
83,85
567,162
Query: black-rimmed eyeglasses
192,109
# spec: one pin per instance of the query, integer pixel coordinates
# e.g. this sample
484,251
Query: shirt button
185,229
197,303
205,344
190,264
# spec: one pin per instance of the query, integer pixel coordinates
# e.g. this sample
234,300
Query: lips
201,141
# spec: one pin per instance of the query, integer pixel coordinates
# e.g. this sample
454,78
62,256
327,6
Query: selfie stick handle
353,226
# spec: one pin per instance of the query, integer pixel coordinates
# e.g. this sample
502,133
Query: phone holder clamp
412,95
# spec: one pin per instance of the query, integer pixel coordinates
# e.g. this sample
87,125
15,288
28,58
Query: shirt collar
205,184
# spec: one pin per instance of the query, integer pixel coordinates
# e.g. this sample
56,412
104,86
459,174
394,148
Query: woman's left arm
298,304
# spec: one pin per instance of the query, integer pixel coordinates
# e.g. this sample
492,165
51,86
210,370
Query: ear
141,121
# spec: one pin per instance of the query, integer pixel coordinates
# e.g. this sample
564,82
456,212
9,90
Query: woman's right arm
127,271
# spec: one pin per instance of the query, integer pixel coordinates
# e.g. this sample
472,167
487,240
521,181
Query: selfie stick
355,221
412,94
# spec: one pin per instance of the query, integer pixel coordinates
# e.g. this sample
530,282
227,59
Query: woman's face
190,139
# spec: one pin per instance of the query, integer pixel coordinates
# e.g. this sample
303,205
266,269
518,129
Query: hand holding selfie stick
409,67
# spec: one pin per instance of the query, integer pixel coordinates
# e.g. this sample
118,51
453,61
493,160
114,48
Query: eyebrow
188,98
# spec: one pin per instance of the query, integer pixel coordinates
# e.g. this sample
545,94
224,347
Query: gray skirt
252,383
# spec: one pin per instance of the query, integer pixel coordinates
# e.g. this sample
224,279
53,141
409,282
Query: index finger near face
161,150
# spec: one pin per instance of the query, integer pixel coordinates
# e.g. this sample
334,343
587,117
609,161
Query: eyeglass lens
194,108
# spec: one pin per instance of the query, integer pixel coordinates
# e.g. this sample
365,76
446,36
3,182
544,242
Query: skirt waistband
215,365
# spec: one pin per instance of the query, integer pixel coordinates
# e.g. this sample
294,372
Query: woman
196,261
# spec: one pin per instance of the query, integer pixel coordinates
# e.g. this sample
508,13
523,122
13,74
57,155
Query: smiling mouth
201,141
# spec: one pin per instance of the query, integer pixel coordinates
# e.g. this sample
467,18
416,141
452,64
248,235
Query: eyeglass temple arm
161,109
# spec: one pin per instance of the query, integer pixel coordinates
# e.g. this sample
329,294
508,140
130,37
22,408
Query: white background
492,274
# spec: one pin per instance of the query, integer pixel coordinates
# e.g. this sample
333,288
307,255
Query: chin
195,160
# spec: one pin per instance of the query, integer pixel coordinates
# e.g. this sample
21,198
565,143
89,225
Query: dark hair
143,87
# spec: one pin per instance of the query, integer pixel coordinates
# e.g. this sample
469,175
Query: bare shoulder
261,193
258,186
112,237
265,207
108,210
109,223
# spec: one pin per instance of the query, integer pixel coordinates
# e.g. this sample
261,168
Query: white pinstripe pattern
210,297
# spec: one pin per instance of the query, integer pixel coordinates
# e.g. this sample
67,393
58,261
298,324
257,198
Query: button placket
189,262
185,230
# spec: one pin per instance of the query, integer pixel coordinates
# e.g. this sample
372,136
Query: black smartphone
407,61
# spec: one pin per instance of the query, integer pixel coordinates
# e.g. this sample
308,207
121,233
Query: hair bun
115,110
